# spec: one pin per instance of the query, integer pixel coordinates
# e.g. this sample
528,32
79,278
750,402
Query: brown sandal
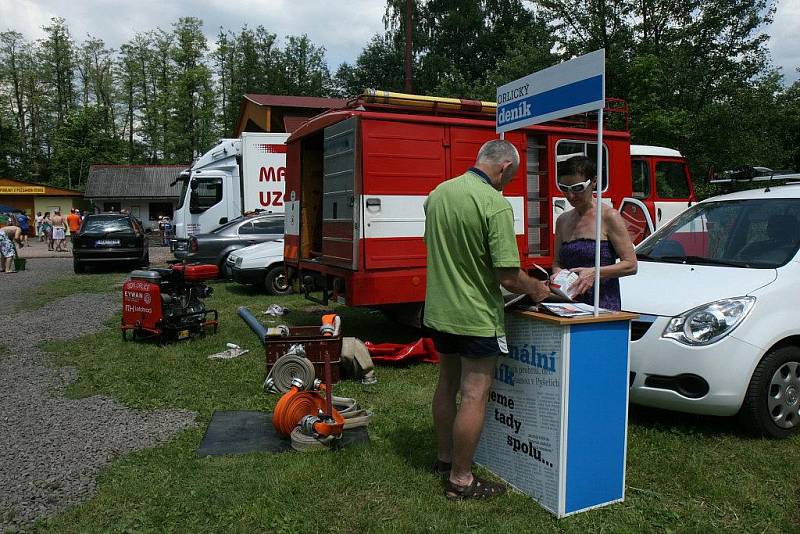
479,489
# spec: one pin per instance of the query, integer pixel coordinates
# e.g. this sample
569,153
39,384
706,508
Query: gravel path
37,272
51,447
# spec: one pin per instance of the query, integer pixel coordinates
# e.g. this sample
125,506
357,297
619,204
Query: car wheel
771,406
276,282
79,268
224,270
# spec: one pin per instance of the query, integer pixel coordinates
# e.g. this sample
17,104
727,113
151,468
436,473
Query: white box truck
235,177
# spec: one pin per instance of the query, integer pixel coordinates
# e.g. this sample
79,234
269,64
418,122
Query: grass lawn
685,473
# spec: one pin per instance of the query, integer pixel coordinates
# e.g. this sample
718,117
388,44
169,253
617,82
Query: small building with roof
17,195
280,113
144,191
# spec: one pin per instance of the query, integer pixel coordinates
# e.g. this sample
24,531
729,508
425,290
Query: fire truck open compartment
311,196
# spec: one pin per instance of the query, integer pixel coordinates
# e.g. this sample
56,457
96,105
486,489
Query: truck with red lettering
237,176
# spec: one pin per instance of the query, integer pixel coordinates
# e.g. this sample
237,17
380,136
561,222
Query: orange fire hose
297,404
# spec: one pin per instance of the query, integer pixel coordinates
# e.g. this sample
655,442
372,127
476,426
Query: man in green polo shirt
472,250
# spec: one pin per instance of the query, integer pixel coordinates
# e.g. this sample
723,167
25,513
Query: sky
343,27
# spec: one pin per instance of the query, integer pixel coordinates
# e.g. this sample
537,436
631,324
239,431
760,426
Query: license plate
183,334
107,242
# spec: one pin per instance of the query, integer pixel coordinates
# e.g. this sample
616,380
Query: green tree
304,69
191,125
378,66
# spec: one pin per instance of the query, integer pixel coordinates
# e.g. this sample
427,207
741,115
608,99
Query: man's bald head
499,159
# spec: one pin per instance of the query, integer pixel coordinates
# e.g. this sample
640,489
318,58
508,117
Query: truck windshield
753,233
184,188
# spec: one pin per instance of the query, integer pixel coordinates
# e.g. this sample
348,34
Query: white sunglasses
575,188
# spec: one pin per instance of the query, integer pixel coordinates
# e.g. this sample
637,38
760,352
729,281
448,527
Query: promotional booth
557,416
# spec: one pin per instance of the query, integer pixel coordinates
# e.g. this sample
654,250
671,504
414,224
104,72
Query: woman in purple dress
575,237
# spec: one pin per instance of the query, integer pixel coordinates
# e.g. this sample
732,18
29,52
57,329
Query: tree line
697,76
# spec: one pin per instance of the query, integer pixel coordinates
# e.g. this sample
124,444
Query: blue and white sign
575,86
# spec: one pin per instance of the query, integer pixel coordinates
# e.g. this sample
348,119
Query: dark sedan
215,246
110,238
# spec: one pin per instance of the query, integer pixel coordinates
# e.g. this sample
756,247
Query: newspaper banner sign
575,86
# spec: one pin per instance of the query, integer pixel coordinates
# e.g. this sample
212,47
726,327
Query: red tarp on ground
421,350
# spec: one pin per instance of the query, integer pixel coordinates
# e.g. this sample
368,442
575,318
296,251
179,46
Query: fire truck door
637,219
340,213
673,190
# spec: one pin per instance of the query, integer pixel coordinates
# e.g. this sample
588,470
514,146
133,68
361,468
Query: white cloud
343,28
784,43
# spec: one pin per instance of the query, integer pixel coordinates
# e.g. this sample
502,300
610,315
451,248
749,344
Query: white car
717,292
261,265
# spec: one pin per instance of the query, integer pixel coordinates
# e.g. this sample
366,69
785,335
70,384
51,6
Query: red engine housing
197,272
141,305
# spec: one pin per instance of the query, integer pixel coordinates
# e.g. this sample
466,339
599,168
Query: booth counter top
583,319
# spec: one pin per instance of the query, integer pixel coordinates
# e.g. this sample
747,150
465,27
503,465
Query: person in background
24,224
575,237
472,251
161,229
47,229
59,230
7,254
38,221
74,223
167,230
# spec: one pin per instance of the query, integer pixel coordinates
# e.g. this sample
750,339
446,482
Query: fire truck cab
357,178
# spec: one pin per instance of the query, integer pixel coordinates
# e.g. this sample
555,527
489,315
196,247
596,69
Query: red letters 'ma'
270,174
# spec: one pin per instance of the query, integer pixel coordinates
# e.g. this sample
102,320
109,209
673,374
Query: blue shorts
468,346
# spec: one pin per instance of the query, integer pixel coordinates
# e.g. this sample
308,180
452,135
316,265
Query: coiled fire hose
300,415
290,366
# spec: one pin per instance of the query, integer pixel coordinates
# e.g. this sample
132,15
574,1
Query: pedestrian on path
74,223
24,224
47,229
39,233
59,231
7,254
472,251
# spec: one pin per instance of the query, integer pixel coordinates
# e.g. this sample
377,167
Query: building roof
280,113
133,181
10,186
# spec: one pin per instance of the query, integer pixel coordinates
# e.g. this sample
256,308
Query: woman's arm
619,237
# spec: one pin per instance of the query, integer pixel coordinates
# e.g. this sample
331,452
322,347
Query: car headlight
710,322
239,261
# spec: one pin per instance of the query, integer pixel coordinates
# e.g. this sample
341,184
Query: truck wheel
276,282
771,406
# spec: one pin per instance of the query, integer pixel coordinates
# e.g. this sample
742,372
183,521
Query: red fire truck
357,178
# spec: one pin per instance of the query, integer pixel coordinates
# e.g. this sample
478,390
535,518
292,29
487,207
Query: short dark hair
579,166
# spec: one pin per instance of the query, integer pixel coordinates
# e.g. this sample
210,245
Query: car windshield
106,225
753,233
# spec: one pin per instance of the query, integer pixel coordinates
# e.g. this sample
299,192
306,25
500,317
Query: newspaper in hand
563,284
